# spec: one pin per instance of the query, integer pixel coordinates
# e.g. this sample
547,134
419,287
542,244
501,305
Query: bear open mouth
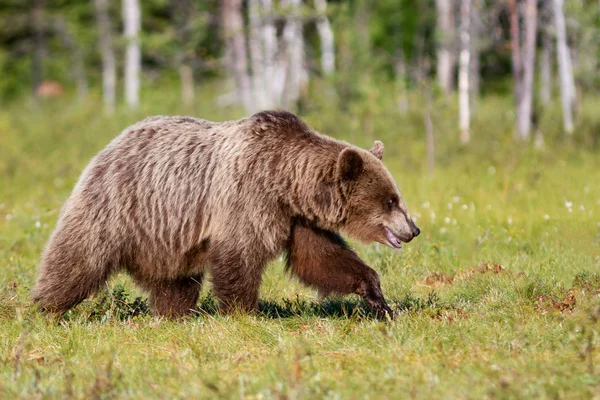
393,240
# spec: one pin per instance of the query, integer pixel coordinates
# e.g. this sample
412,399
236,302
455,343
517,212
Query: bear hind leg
175,298
65,280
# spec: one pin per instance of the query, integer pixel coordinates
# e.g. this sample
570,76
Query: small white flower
432,215
454,221
546,217
582,207
443,230
489,206
417,215
426,204
568,204
38,224
570,210
447,220
491,170
464,206
415,219
509,220
456,199
586,189
449,206
8,217
1,206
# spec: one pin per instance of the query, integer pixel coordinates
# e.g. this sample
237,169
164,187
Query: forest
489,112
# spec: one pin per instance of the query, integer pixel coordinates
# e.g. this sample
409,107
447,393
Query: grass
498,298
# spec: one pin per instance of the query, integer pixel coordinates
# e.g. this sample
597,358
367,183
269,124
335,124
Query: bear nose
416,231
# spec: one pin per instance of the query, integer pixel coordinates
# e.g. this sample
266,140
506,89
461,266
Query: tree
133,54
326,37
463,74
445,38
109,72
565,68
523,60
545,62
235,50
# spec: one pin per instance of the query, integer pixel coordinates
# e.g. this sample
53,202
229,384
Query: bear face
375,209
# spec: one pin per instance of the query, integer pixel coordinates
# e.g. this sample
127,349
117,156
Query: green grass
466,327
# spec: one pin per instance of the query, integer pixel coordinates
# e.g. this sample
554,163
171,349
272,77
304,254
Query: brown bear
174,197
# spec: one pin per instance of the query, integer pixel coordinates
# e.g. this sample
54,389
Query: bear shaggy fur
174,197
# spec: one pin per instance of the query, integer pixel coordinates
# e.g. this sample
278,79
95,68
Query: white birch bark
294,64
256,55
133,53
445,54
526,100
236,54
463,74
326,38
109,69
565,68
269,41
545,65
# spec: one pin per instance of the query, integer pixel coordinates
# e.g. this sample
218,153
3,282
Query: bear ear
349,164
377,149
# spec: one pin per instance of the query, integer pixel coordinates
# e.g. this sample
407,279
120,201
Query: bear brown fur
174,197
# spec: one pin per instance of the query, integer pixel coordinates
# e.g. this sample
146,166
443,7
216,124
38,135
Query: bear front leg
322,259
236,279
175,298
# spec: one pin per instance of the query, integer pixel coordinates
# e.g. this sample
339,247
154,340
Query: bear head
374,206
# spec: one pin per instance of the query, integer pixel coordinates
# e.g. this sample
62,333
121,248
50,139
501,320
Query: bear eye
392,202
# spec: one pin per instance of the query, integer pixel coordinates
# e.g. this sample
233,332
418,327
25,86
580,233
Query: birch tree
545,61
565,68
445,38
526,101
523,60
133,54
235,50
326,38
109,72
269,42
463,74
257,59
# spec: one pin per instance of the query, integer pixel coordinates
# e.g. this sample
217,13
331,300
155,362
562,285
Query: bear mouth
392,239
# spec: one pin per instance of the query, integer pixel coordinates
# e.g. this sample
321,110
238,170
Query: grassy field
498,298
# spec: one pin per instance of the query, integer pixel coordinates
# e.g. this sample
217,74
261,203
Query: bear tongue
393,239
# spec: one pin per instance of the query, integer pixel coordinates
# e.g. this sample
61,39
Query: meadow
498,298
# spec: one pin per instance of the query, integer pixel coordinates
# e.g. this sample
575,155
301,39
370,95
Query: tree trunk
269,40
77,65
445,53
109,74
545,65
256,55
237,58
463,75
326,37
526,100
546,18
565,68
133,54
515,40
296,72
476,31
37,22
